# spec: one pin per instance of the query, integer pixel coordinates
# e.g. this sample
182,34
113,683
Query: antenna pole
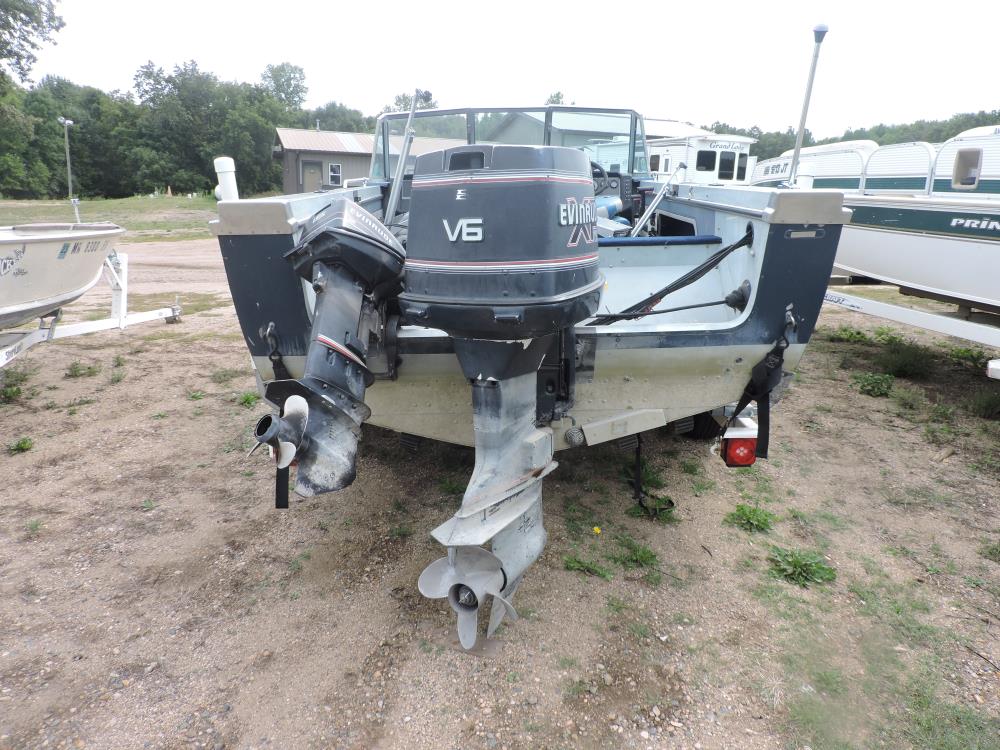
818,33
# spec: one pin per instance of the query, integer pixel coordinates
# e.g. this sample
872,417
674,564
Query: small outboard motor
502,255
352,262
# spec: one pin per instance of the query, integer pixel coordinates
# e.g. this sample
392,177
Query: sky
701,62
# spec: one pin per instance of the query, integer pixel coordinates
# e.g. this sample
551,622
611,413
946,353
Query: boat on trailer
44,267
926,217
477,295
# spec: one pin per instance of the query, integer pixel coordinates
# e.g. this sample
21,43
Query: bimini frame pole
397,180
818,33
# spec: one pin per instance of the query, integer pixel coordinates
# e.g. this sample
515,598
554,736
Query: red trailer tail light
739,451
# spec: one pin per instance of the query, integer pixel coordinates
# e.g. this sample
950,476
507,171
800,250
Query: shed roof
296,139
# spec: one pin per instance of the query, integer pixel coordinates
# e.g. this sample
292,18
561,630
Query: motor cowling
351,260
501,241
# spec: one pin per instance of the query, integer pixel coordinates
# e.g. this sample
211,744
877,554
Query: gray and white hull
46,266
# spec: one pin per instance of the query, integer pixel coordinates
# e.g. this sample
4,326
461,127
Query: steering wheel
600,176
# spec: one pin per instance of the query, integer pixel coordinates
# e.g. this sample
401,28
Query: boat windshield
615,139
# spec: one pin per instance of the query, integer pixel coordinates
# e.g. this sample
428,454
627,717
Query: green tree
24,25
556,98
286,83
403,102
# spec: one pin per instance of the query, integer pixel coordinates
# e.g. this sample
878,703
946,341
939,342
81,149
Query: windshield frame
380,163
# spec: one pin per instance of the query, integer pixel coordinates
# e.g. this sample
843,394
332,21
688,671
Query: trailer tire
705,427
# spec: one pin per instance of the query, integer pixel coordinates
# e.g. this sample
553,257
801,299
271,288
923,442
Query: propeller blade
468,627
502,606
285,453
296,413
436,579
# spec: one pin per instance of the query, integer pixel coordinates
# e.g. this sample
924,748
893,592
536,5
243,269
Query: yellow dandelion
597,529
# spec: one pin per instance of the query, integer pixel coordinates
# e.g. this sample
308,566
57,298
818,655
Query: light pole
69,171
818,33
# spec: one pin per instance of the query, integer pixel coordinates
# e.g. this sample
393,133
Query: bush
874,384
905,360
848,334
985,404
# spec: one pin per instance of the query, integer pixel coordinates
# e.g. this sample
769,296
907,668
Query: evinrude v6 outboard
502,255
353,264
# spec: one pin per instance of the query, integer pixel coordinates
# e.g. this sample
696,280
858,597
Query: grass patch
77,369
633,554
903,359
9,394
850,335
984,403
909,399
650,477
975,357
22,445
400,532
298,562
451,486
931,724
117,376
659,508
873,384
196,395
616,605
691,467
700,486
582,565
580,519
221,377
750,518
801,567
991,552
248,400
148,505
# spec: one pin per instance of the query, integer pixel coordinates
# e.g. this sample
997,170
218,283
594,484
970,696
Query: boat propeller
466,577
283,434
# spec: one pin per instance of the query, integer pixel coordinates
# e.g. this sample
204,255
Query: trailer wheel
705,427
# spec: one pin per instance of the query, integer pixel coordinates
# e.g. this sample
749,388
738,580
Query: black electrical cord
647,304
630,316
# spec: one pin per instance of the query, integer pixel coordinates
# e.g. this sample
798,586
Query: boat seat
690,239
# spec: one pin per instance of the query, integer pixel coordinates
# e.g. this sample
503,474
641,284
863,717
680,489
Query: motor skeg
349,258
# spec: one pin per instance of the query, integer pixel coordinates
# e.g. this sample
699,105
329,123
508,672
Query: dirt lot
150,596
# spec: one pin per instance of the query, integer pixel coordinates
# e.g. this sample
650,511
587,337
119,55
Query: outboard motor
352,262
502,255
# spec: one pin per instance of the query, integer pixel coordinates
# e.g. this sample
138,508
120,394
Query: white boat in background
708,158
44,267
926,217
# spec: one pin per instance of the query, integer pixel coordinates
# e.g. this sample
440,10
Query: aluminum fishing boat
518,294
44,267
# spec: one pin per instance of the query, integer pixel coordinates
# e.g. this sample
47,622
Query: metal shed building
316,159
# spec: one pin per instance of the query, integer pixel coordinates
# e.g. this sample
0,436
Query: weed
991,552
750,518
887,335
851,335
159,415
650,476
632,554
801,567
938,434
451,486
22,445
616,605
298,561
905,360
691,467
965,356
119,361
580,519
148,505
196,395
33,527
652,578
873,384
701,486
248,399
221,377
14,375
910,399
577,563
426,646
639,629
9,394
577,688
566,662
400,532
78,370
941,413
984,403
660,508
117,376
